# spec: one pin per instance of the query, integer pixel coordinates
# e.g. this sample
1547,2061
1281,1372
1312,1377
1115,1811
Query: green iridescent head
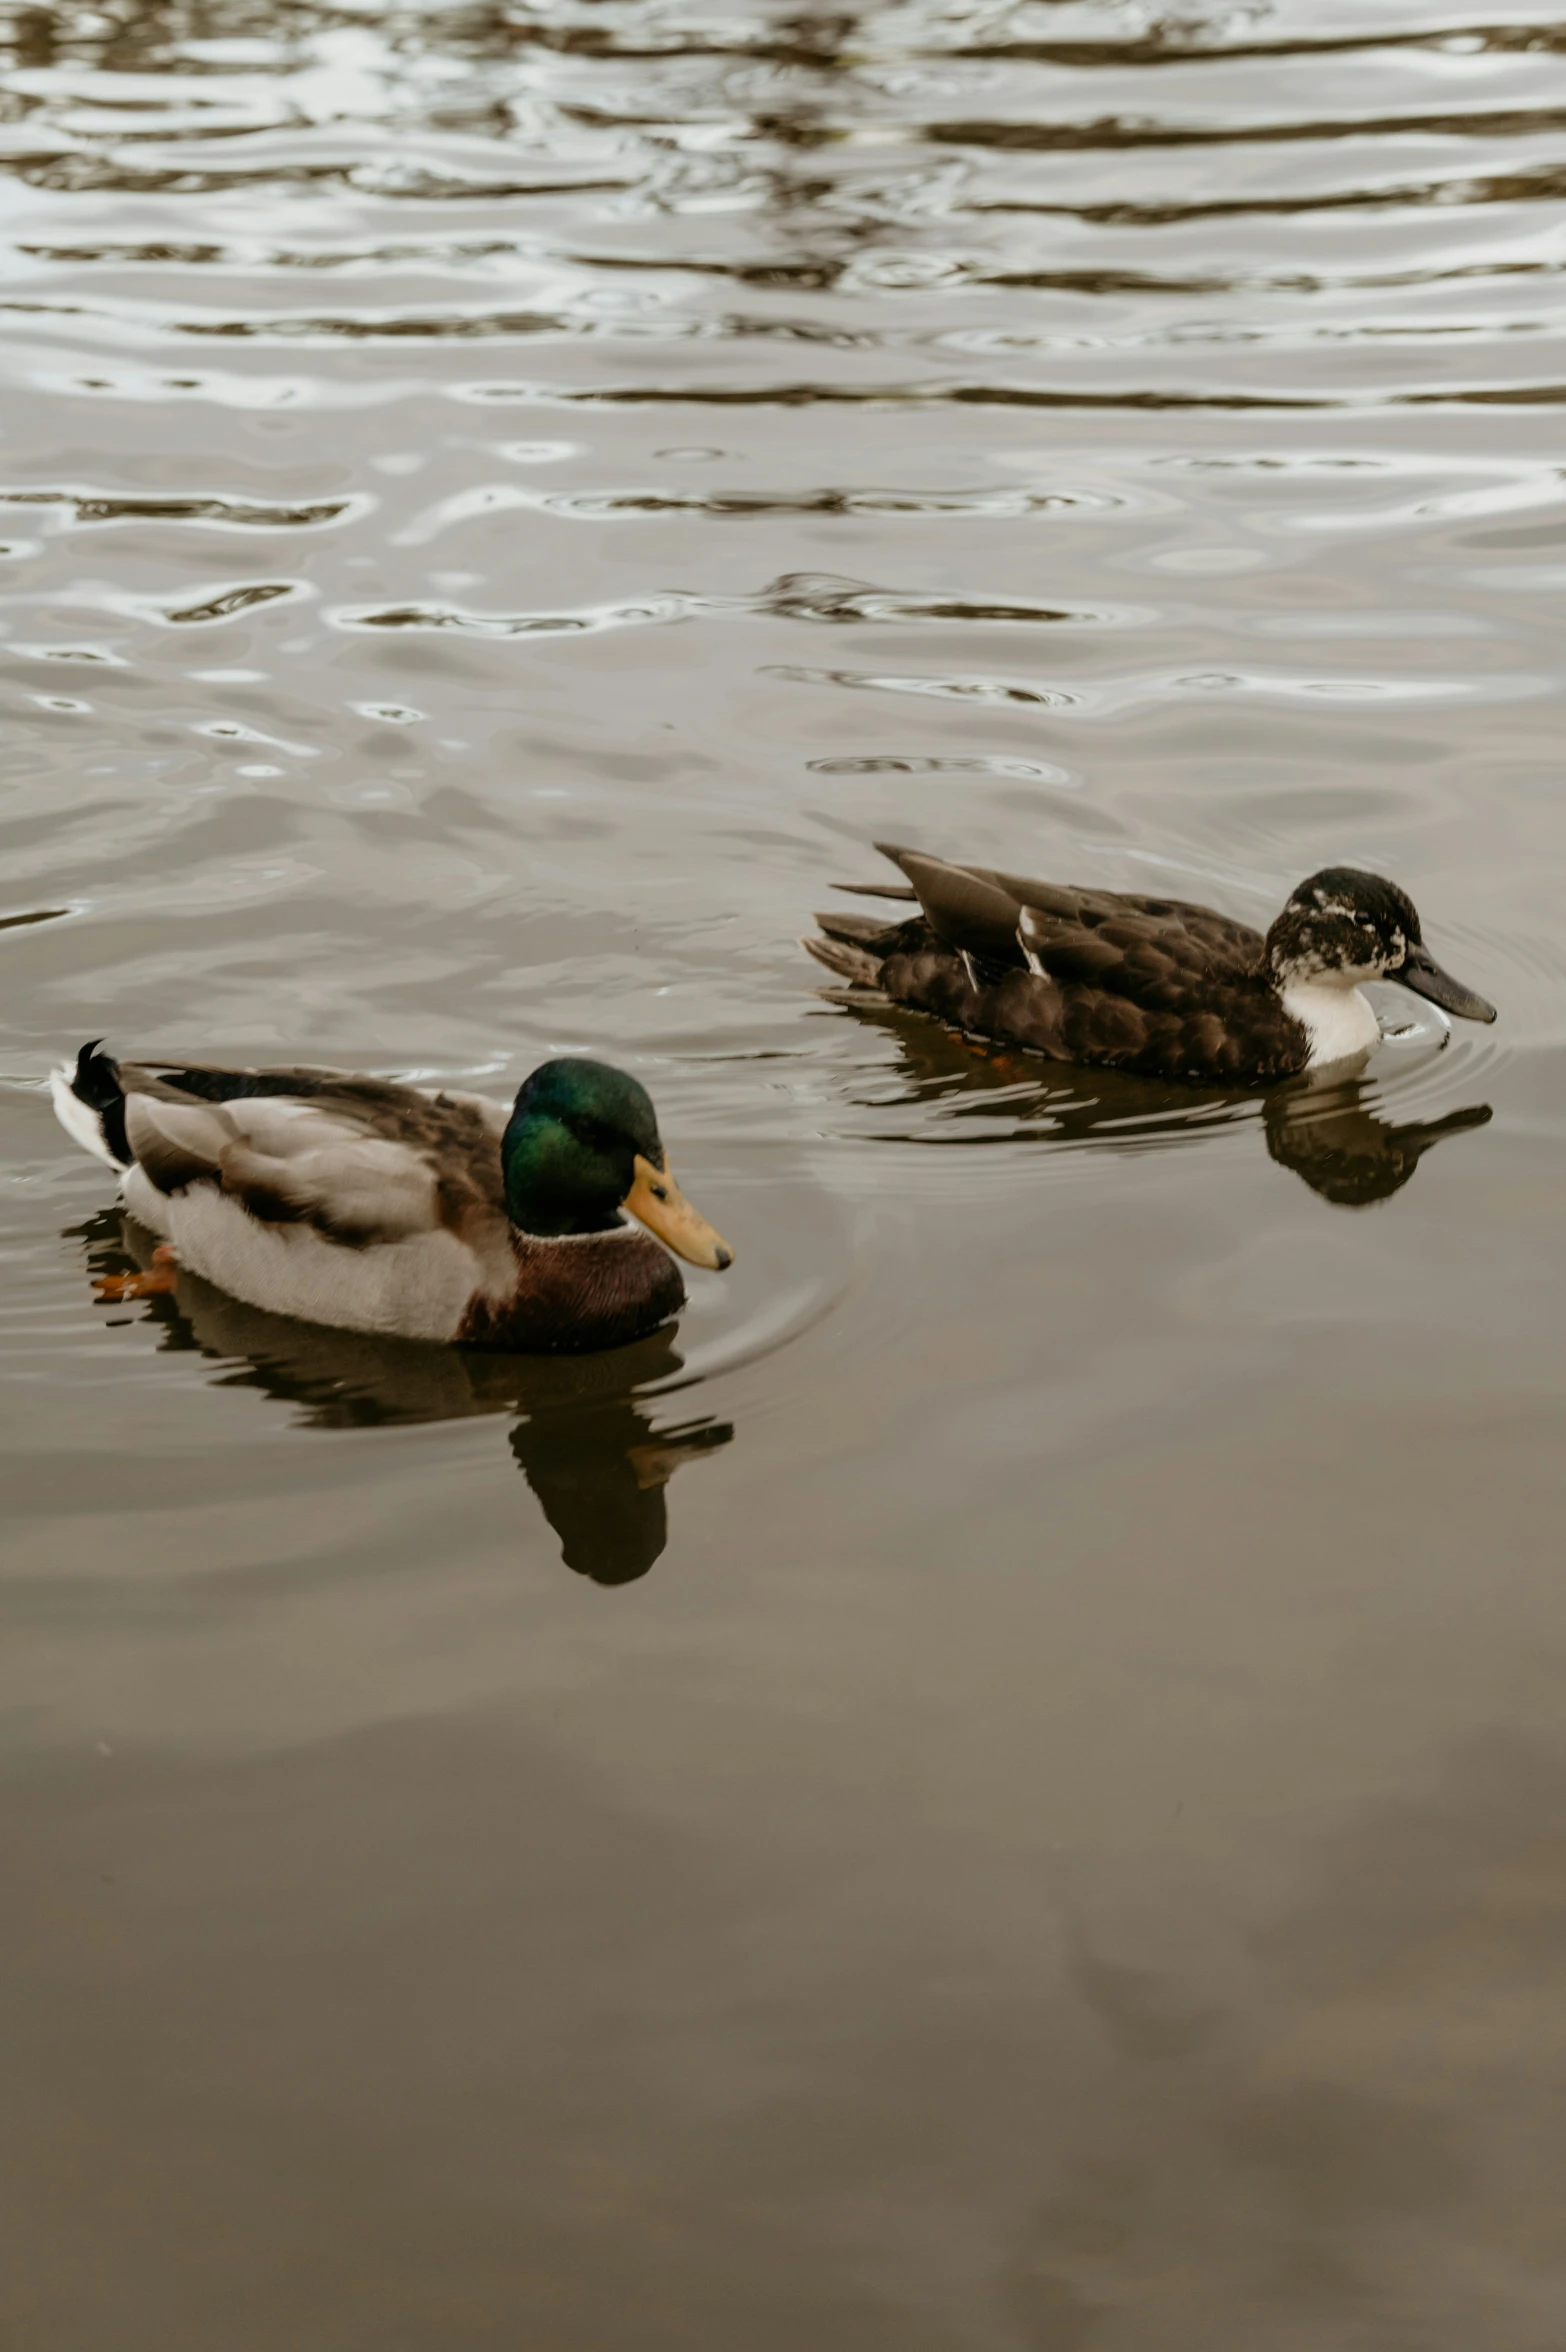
582,1145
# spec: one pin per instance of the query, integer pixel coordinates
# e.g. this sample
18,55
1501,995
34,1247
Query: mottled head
582,1145
1343,926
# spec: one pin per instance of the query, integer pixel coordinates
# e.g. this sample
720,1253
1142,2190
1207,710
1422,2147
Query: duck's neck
1340,1023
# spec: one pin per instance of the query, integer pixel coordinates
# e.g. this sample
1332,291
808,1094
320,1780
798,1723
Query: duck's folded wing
1147,950
288,1160
1149,961
1216,945
970,911
494,1117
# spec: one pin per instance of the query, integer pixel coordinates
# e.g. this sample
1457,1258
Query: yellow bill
656,1201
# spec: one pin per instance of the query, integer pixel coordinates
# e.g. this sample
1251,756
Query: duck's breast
589,1290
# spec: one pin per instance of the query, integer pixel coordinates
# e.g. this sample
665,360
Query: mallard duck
372,1206
1155,985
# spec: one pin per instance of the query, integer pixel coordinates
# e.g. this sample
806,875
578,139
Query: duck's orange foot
152,1282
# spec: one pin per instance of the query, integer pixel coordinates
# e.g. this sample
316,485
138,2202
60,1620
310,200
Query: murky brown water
1004,1789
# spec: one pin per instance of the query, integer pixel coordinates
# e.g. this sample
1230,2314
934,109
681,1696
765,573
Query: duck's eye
659,1191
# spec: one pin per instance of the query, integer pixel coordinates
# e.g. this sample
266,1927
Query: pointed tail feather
853,964
859,931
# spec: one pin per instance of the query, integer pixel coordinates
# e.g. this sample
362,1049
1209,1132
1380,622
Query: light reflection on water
499,508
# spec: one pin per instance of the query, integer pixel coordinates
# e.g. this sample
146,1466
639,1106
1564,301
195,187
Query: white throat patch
1340,1023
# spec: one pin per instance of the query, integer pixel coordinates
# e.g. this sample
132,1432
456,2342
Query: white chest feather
1340,1023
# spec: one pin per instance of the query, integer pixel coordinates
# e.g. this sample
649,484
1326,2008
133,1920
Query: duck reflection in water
587,1441
1347,1153
1327,1134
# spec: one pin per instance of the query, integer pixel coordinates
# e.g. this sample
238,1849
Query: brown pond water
1003,1789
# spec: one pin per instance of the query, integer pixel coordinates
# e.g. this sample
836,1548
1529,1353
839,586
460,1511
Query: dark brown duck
1156,985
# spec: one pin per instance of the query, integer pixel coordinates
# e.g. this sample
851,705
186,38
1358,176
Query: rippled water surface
1002,1789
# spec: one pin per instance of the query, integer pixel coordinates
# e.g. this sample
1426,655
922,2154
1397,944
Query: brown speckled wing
1124,941
1226,945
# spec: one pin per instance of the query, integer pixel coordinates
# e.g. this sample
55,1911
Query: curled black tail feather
97,1084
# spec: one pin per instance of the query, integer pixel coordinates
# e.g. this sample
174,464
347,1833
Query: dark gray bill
1420,972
